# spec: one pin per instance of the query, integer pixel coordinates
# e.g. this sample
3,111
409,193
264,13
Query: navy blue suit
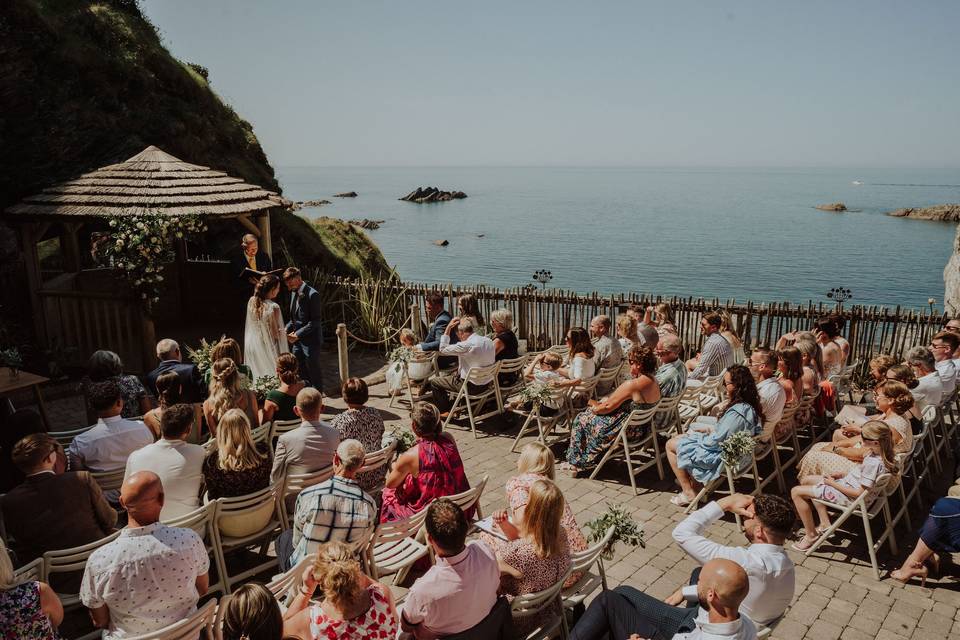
432,340
192,388
305,313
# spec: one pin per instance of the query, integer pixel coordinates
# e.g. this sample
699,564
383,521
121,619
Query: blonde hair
7,579
541,519
536,458
407,334
226,348
338,574
664,313
236,450
627,326
225,390
809,347
552,360
502,317
883,434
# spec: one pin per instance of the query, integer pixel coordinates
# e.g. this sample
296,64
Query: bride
264,338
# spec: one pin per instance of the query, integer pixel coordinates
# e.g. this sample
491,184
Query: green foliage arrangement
400,356
625,529
11,357
736,448
264,385
537,393
201,355
404,438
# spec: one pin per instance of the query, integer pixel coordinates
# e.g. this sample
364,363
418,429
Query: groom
304,331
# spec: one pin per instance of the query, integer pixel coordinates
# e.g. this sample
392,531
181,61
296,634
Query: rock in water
313,203
367,224
422,195
833,206
346,194
441,243
941,212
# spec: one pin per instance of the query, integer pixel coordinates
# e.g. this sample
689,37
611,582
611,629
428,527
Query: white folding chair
581,562
711,392
474,401
634,451
243,521
535,420
510,367
201,622
689,408
470,498
284,583
294,483
378,459
408,381
70,560
529,604
30,572
746,469
280,427
109,480
394,547
261,433
66,437
202,520
780,445
607,378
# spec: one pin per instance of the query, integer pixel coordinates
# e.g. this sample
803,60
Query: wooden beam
248,224
266,242
70,245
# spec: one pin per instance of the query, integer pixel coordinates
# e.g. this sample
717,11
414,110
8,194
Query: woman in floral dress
28,610
362,423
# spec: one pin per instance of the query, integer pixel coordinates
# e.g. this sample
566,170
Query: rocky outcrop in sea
833,206
432,194
367,223
941,212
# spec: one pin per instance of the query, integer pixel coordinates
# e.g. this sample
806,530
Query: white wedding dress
263,338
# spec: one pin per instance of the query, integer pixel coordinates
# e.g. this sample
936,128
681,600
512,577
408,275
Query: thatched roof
151,181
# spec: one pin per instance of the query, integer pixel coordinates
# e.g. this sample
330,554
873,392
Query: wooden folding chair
581,562
474,402
243,521
634,451
530,604
201,622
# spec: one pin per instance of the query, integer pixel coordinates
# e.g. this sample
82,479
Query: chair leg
523,431
778,467
868,532
657,454
453,408
473,425
628,454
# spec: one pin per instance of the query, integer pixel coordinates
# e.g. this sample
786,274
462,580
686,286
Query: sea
728,233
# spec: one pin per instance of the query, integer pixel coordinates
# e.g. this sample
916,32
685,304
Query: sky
760,83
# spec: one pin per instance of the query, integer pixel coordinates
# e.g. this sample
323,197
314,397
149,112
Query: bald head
722,586
142,496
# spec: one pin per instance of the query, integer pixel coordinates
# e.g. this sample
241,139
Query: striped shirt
715,356
337,509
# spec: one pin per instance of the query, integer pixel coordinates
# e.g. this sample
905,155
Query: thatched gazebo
78,306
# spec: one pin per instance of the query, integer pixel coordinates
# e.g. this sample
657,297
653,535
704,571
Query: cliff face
86,83
951,279
941,212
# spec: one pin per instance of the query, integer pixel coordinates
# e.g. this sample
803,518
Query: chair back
529,604
667,407
221,614
284,583
297,482
469,498
394,543
427,357
513,365
261,433
482,375
609,375
66,437
586,386
561,350
245,516
30,572
583,560
190,628
640,417
109,480
70,560
200,520
279,427
379,458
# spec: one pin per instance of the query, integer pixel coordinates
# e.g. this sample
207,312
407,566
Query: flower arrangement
625,529
734,449
201,355
403,437
264,385
536,393
400,356
138,245
12,358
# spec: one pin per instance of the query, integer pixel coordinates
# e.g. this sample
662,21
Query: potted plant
13,359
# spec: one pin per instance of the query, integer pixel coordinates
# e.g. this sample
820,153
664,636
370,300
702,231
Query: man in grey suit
308,448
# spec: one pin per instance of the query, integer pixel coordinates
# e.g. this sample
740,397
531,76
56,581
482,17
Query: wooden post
343,359
70,246
415,321
148,341
263,223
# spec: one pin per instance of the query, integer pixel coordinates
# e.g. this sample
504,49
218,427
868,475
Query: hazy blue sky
749,83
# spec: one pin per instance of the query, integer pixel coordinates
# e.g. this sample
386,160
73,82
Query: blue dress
699,453
941,531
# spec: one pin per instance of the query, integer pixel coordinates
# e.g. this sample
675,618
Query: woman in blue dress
695,455
940,534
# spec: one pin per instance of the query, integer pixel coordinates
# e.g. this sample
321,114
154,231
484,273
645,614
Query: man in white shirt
773,397
624,612
942,347
108,444
929,389
177,463
472,351
150,576
768,520
607,352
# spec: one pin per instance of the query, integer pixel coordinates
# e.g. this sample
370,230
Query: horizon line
605,166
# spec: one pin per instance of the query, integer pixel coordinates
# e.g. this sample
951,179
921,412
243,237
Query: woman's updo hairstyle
425,419
169,389
644,357
226,348
898,394
902,373
265,285
288,369
223,369
338,574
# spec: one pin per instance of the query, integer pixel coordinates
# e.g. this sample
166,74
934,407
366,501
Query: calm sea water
727,233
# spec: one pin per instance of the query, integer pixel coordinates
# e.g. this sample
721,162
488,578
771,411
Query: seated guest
363,423
169,393
106,365
716,353
672,374
439,318
595,428
29,609
35,511
843,488
943,345
763,365
280,402
20,424
904,373
660,316
647,333
430,469
624,612
353,605
308,448
469,307
415,371
812,359
695,455
226,392
460,589
472,350
149,577
228,348
940,534
237,466
336,509
252,613
607,352
790,368
168,353
826,331
846,450
768,522
505,342
542,370
177,463
106,446
929,389
728,331
627,332
879,365
579,364
538,554
953,326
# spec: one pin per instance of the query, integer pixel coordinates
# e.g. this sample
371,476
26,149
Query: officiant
249,256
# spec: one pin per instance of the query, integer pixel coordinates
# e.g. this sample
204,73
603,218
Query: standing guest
430,469
106,446
169,394
35,511
439,319
595,429
252,613
580,364
537,555
647,334
29,609
826,332
607,351
168,353
940,534
177,463
626,613
228,348
353,605
929,389
460,589
149,577
305,326
672,374
336,509
627,332
472,350
695,455
280,402
728,331
227,392
943,345
768,522
363,423
790,368
106,365
763,365
249,256
20,424
660,316
716,354
237,466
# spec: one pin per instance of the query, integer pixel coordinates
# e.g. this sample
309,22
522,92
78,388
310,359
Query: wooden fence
542,317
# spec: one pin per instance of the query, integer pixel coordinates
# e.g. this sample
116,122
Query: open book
851,413
253,273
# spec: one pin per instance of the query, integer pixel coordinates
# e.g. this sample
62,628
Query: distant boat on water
856,182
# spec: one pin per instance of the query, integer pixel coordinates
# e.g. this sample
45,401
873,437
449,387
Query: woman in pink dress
430,469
